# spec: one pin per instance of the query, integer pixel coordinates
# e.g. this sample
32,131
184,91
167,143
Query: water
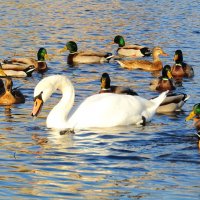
159,161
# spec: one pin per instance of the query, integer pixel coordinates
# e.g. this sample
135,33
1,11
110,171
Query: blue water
158,161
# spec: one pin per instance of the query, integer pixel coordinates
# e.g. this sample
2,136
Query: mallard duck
96,111
181,69
131,50
172,102
164,82
9,96
195,115
20,64
145,64
76,57
18,74
107,88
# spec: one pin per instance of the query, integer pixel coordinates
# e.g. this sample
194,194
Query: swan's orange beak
38,102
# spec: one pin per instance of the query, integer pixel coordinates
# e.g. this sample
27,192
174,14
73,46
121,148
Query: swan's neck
58,115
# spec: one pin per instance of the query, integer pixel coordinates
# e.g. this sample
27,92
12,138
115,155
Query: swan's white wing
107,110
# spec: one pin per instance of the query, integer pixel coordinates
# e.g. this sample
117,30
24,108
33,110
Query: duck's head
194,113
71,46
166,72
178,57
105,81
42,54
119,40
159,51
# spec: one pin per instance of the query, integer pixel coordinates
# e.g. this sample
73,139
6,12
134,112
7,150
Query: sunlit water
158,161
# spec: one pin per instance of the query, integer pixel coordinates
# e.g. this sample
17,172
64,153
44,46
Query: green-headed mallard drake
9,96
20,64
107,88
164,82
146,65
173,102
131,50
27,72
181,69
195,115
76,57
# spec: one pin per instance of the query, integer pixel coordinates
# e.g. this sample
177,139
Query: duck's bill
190,116
47,57
165,54
37,107
63,50
169,74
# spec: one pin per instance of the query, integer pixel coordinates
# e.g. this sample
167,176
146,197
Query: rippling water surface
158,161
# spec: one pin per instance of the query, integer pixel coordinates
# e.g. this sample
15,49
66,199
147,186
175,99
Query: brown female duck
181,69
20,64
9,96
146,65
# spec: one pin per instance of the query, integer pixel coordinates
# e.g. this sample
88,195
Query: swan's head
43,91
46,87
38,103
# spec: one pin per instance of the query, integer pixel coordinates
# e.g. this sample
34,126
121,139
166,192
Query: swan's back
108,110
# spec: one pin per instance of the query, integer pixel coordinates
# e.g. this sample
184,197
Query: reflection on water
158,161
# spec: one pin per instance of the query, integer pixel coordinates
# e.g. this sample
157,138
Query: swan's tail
158,100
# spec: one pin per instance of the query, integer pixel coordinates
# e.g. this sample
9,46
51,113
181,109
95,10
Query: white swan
99,110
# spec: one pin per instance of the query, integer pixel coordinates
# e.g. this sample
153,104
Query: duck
20,64
164,82
76,57
173,101
8,95
27,72
131,50
181,69
107,88
155,65
195,115
96,111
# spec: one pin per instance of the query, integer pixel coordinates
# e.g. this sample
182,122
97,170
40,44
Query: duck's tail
108,56
121,64
146,51
29,70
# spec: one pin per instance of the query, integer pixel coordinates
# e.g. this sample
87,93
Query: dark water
159,161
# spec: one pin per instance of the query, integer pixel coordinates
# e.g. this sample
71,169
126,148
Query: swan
96,111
